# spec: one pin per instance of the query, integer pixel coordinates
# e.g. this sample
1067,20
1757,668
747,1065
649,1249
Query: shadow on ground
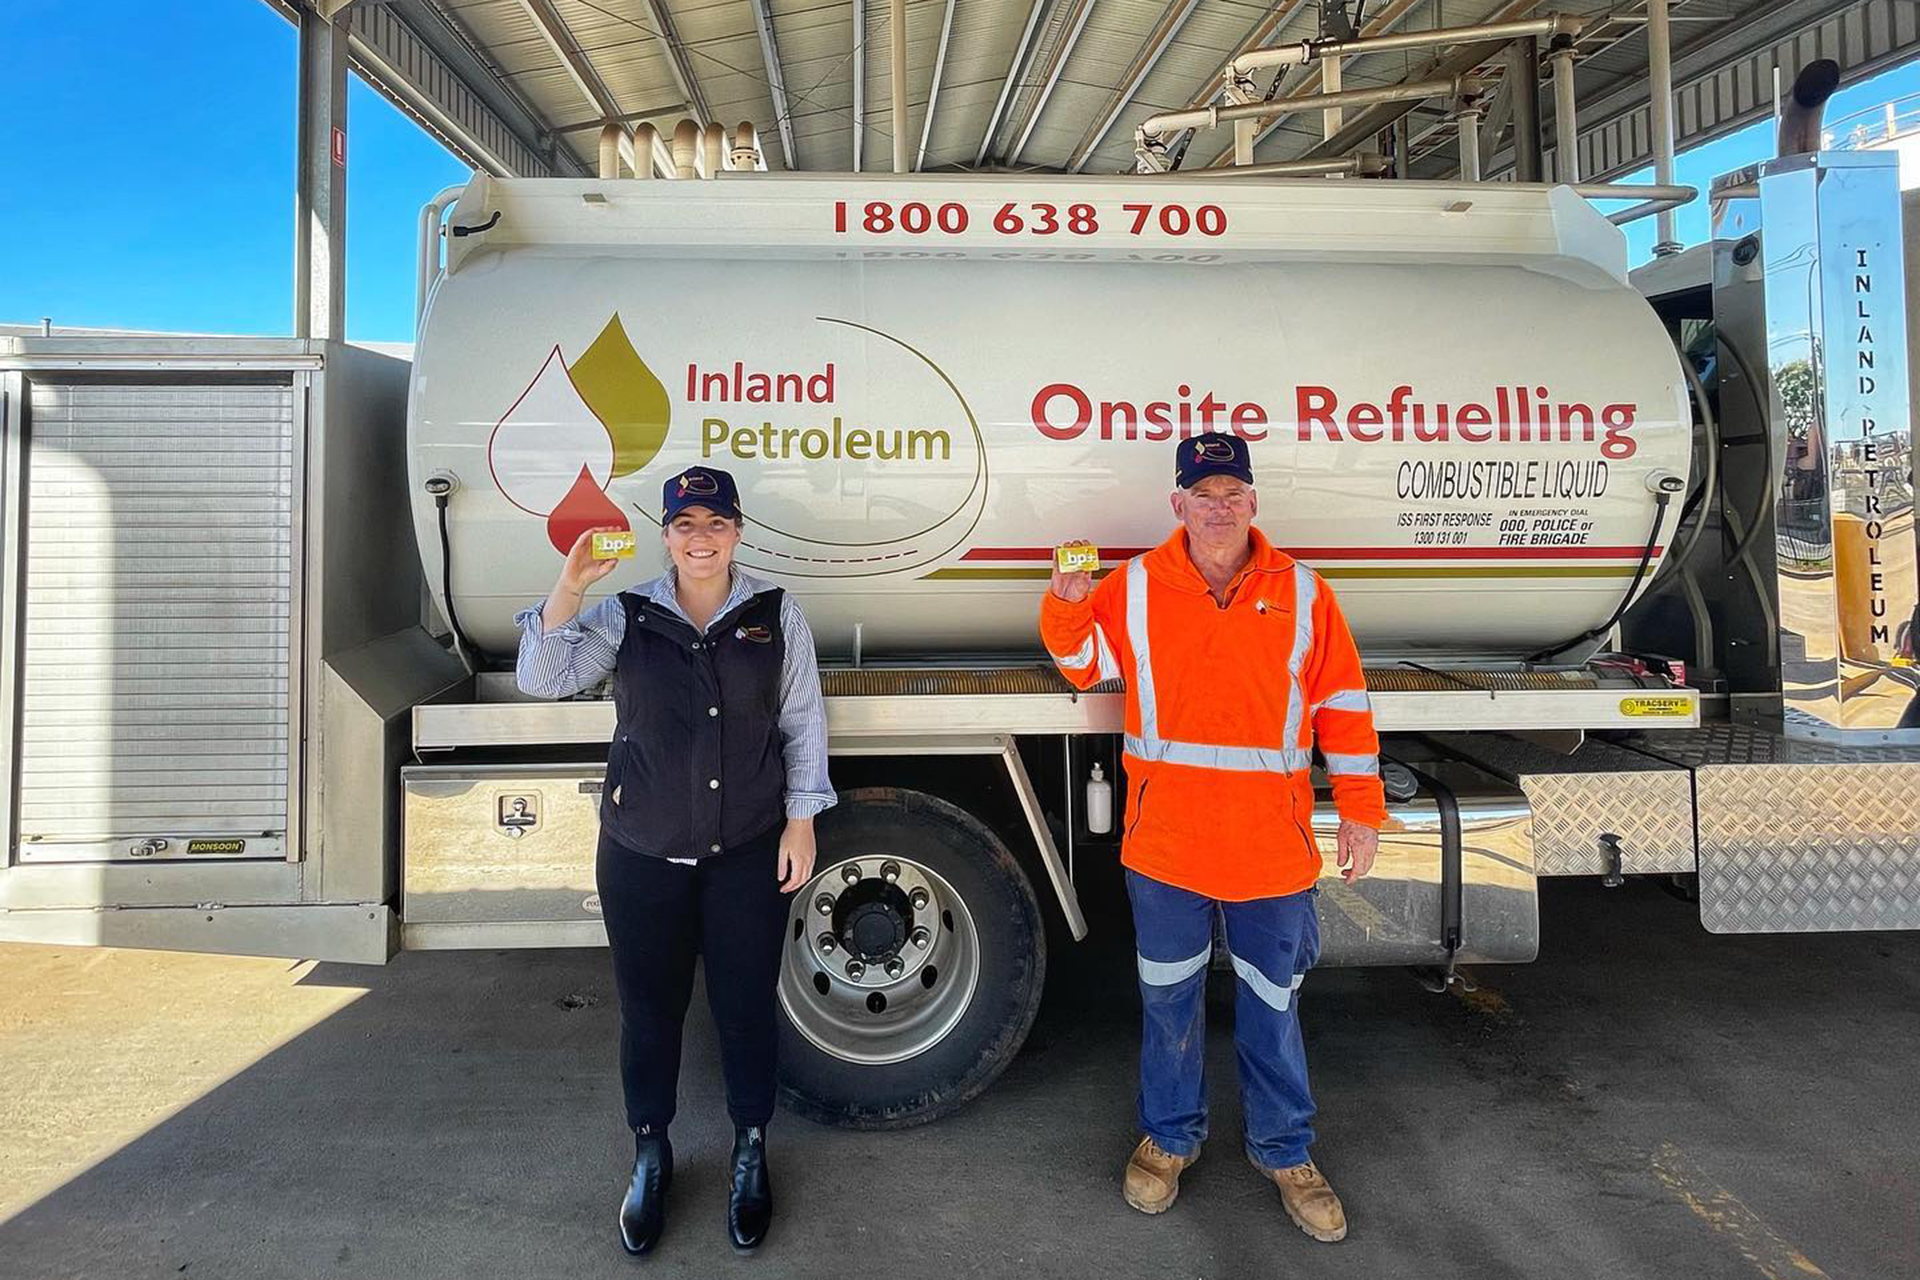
1646,1100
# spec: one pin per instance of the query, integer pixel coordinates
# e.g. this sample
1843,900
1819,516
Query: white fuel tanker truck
1461,412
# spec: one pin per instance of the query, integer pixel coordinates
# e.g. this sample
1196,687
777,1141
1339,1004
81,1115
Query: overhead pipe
1330,83
1457,62
1467,120
1805,107
1566,129
1293,55
1364,165
686,149
1523,64
1660,115
1168,123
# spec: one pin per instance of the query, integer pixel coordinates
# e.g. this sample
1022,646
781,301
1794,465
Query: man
1237,662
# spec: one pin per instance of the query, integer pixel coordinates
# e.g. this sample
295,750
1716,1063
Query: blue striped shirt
580,653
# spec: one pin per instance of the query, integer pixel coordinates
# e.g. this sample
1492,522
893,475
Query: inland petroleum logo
580,428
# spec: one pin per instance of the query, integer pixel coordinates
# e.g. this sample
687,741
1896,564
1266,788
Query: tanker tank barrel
905,470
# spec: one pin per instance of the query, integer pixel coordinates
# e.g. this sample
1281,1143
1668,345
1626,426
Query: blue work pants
1273,941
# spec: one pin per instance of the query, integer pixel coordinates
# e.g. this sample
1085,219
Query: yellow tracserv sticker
216,846
1656,706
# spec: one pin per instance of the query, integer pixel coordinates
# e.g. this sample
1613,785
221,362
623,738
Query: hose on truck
441,487
1661,498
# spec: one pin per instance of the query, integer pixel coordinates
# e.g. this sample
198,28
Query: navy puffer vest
695,766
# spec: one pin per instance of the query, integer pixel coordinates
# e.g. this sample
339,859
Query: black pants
659,914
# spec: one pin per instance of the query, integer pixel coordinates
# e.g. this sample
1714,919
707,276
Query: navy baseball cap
1211,454
707,487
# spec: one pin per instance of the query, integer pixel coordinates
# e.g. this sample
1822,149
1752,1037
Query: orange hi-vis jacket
1224,706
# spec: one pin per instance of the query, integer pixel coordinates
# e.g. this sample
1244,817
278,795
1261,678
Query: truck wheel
915,958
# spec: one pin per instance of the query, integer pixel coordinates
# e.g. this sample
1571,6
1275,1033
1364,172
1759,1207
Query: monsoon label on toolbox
844,477
216,847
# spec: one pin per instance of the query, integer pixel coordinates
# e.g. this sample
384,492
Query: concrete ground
1646,1100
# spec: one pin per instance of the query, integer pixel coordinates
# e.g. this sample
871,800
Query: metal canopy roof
523,87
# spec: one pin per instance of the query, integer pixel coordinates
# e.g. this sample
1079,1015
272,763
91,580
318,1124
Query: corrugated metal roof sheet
1094,58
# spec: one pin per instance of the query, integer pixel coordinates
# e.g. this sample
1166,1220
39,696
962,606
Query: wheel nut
922,938
895,967
919,899
851,873
890,871
824,904
856,970
828,944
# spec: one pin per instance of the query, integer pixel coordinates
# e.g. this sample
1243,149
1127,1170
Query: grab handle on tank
488,225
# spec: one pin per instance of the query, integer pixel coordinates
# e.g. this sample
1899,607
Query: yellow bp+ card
613,546
1076,557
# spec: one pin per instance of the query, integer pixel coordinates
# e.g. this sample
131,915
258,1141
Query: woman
717,769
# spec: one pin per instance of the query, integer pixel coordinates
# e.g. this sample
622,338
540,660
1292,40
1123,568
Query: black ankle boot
750,1203
643,1214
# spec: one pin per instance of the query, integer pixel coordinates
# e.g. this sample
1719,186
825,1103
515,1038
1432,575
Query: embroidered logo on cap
1212,451
704,486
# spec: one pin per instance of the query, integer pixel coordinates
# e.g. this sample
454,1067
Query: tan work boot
1309,1201
1153,1177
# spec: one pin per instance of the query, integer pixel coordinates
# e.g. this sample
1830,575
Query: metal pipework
1566,130
1660,115
611,136
1330,83
1523,65
1363,165
897,29
1467,123
1293,55
1657,198
686,149
646,142
746,148
1805,107
427,252
1167,123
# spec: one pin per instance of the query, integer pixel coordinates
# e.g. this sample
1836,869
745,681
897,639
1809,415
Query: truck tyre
915,958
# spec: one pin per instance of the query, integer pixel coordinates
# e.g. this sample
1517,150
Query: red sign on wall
340,146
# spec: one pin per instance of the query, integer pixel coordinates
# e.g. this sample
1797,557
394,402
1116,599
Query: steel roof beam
573,59
1008,81
776,80
933,94
579,68
1061,52
676,56
430,69
859,82
1151,51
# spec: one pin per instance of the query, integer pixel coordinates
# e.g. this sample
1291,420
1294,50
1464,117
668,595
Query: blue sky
150,171
157,158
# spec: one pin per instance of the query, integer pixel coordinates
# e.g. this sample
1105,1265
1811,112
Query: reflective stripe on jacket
1224,706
